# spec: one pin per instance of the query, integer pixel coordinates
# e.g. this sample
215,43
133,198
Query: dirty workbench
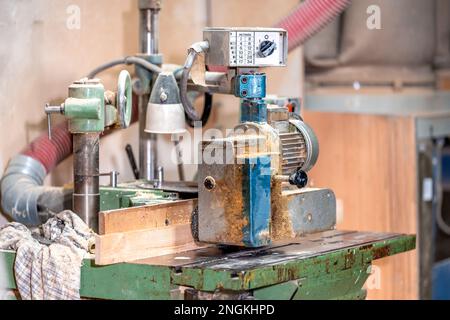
326,265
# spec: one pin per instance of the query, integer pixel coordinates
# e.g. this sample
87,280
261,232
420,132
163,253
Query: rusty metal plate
232,258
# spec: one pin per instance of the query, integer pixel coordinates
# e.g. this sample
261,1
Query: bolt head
209,183
163,96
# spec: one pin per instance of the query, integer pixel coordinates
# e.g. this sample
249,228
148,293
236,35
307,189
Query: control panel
246,47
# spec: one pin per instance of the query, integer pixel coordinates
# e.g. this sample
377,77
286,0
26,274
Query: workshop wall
46,44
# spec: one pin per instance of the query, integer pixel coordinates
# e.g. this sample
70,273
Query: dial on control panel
266,48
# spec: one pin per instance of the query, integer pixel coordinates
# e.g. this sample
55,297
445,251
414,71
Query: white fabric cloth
49,271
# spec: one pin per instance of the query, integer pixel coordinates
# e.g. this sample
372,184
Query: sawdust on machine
281,222
231,188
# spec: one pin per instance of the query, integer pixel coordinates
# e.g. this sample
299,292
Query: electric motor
299,147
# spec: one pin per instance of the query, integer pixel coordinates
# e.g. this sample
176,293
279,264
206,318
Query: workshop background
368,93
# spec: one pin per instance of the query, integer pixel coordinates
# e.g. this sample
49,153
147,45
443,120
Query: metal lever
112,177
132,160
48,111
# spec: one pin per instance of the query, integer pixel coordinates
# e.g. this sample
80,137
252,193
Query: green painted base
337,274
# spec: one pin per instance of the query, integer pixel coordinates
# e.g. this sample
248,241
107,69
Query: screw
244,92
163,96
244,79
309,217
209,183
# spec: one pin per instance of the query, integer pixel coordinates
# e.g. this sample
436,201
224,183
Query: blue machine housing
250,85
251,88
257,206
253,110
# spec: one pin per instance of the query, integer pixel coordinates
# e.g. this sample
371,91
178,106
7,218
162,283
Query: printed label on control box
253,49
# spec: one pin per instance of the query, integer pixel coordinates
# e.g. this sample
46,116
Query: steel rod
86,195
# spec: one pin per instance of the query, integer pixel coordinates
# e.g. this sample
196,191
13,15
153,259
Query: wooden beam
141,244
146,217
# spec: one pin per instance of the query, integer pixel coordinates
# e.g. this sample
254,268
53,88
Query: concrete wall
44,49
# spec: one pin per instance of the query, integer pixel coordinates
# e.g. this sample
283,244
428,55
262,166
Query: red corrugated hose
309,17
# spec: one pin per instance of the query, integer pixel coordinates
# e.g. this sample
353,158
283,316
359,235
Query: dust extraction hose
51,152
24,198
310,17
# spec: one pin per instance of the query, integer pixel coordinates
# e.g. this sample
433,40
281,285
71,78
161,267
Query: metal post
180,165
154,31
149,42
149,30
113,178
160,176
147,144
86,195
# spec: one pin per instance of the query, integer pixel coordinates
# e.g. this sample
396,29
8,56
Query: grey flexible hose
127,60
194,50
191,113
23,196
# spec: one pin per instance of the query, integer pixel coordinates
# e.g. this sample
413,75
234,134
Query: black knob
299,179
266,48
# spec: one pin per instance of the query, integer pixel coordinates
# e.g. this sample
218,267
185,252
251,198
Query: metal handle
112,177
48,111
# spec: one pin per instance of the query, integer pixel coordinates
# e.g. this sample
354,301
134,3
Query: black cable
127,60
207,106
132,160
191,114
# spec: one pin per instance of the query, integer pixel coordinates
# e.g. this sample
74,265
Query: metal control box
246,47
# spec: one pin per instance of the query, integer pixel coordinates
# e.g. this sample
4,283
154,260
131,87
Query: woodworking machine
268,234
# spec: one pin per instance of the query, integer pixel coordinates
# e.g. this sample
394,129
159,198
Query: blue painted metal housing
250,86
253,110
256,195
